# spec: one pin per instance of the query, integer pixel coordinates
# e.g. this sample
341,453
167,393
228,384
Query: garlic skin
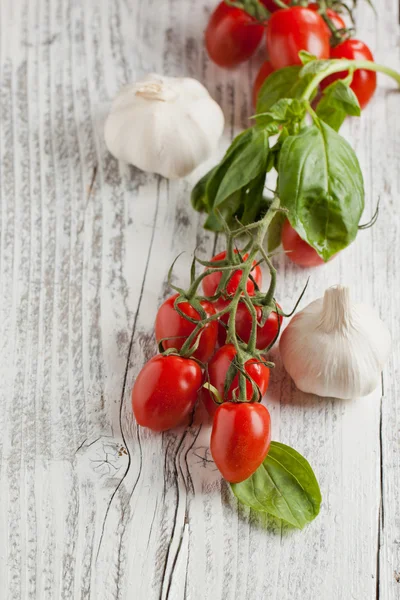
164,125
335,348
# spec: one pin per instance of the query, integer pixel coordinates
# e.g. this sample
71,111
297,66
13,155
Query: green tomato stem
241,290
313,114
251,347
339,65
256,233
271,291
201,323
281,4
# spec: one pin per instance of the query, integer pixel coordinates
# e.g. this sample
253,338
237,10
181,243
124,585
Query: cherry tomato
364,82
232,35
211,282
243,323
292,30
297,249
165,391
333,15
170,324
272,6
240,439
218,369
266,69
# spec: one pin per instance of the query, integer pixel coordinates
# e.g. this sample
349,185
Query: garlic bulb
165,125
335,348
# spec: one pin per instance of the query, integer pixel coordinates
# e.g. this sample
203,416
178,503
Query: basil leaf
306,57
283,486
321,184
286,110
254,205
275,231
240,142
226,212
244,206
205,191
248,163
199,198
235,187
338,101
313,67
284,83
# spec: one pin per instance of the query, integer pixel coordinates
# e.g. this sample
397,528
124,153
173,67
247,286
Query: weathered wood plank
385,183
90,505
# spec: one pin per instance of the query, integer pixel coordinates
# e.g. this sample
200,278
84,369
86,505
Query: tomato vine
166,389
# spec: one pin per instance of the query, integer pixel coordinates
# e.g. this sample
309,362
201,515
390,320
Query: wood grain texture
91,506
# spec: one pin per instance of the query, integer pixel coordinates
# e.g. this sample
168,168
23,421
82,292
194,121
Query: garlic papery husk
335,348
164,125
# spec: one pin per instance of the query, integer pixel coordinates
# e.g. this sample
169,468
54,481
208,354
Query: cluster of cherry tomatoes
168,386
232,36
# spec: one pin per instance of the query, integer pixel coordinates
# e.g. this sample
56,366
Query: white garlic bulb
164,125
335,348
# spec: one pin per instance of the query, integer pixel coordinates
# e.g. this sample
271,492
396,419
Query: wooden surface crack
122,397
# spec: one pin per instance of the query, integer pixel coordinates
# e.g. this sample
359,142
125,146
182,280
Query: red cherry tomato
364,82
266,69
298,251
272,6
165,391
217,370
240,439
170,324
211,282
243,323
292,30
232,35
334,17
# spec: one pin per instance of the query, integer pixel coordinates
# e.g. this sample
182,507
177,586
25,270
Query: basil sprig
234,189
284,486
337,102
320,183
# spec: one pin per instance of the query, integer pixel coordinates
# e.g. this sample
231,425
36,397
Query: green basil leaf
253,200
213,223
199,198
244,206
233,188
248,163
286,110
313,67
284,83
275,231
240,142
338,101
321,184
205,191
284,486
226,211
306,57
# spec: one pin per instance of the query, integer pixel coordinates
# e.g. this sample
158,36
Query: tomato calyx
254,8
193,339
332,15
235,378
237,368
176,352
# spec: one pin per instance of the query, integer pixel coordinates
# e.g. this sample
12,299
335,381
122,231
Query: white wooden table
91,506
